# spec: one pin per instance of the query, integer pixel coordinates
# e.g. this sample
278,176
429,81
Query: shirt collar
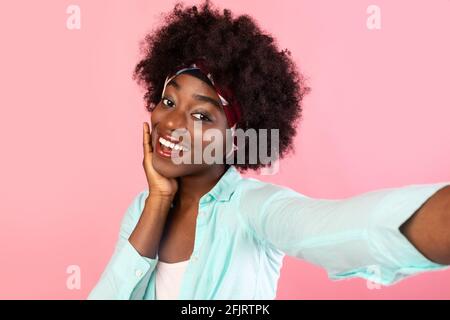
225,187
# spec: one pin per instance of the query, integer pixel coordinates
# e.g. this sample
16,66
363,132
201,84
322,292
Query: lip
165,153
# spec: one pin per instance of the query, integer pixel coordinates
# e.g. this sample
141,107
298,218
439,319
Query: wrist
164,196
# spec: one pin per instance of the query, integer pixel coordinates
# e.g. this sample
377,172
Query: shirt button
138,273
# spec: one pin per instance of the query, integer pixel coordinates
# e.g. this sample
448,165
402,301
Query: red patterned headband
231,107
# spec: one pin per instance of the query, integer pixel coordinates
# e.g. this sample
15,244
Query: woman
200,230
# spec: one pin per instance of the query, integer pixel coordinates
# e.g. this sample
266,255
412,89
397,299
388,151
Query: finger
146,139
150,136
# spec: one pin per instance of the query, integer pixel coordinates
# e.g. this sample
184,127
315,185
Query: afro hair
264,80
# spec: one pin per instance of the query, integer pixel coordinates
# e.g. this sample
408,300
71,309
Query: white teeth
171,145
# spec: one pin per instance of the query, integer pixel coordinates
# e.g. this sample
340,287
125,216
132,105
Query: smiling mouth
168,146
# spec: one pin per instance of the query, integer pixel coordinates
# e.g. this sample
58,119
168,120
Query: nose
175,119
174,124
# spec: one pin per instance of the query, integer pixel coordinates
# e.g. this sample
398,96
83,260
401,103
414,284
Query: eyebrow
196,96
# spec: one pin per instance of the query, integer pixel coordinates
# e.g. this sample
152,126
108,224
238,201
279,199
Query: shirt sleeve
357,236
127,274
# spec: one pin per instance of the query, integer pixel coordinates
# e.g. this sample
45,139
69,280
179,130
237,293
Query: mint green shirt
245,227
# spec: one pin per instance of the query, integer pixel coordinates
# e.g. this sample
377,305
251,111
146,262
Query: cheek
215,139
155,116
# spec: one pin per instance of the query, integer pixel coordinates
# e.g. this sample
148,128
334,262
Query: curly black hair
240,55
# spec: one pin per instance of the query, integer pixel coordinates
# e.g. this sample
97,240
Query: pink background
71,115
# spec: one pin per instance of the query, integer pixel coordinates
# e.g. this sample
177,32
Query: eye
201,116
197,115
166,102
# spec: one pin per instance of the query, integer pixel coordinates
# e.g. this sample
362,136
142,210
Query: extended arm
358,236
429,227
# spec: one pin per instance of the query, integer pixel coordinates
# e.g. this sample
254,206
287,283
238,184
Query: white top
168,279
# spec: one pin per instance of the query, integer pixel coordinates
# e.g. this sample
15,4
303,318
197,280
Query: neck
192,188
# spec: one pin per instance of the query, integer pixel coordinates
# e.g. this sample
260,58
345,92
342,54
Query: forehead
192,85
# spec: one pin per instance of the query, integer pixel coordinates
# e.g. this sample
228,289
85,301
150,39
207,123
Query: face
191,106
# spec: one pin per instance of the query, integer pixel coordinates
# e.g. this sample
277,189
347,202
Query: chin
168,169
